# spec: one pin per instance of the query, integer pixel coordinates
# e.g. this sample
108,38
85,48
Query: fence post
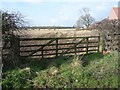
101,46
99,43
87,39
56,47
75,46
75,49
42,53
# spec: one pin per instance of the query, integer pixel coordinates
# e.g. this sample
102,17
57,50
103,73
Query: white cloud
67,13
101,8
59,19
32,1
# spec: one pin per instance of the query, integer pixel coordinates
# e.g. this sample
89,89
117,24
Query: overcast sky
57,12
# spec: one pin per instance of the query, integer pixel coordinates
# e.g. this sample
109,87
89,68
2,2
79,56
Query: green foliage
18,78
95,70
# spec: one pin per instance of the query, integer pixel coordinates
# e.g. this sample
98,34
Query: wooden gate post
56,47
42,52
87,39
101,43
75,49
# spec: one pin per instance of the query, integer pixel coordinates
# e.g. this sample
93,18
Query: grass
95,70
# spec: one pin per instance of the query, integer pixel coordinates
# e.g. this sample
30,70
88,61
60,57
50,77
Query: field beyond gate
54,47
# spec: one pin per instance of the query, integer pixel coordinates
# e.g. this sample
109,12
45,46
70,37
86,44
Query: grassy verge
95,70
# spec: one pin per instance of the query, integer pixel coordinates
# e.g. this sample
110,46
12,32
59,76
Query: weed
95,70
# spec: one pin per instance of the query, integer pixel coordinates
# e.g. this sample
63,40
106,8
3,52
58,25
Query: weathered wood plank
48,54
55,49
28,39
55,44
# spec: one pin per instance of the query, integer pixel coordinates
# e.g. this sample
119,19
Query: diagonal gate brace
42,47
72,47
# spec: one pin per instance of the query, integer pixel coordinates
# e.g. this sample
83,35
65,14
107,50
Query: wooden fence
54,47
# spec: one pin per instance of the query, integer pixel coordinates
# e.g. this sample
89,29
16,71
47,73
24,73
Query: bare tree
85,18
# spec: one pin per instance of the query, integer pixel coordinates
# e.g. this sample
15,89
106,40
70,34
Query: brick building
115,13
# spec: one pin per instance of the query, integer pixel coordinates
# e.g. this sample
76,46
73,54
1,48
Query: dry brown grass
56,33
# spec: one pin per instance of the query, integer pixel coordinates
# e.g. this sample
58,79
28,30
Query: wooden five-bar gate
54,47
